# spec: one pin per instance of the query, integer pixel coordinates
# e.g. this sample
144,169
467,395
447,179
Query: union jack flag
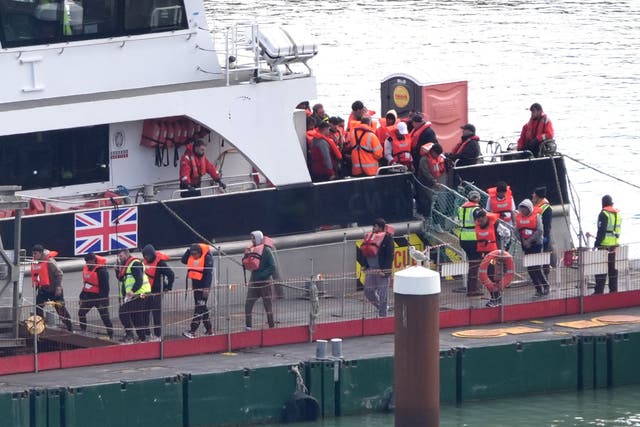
106,230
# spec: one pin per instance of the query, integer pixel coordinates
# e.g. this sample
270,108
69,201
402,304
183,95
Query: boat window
55,158
33,22
153,15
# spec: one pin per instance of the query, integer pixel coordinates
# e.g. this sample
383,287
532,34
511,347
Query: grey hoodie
536,237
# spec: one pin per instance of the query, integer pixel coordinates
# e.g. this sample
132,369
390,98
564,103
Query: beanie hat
540,192
474,196
149,252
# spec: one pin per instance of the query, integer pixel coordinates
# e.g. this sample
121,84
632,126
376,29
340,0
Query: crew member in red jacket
193,166
535,131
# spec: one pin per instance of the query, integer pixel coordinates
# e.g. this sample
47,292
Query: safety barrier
340,386
314,303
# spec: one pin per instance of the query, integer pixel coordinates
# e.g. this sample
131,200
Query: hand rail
179,191
75,201
393,168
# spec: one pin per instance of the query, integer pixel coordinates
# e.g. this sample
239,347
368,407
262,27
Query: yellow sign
401,96
401,258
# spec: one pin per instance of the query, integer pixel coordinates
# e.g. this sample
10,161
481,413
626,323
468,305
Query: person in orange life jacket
325,155
46,277
375,256
397,147
468,241
530,233
358,111
134,288
387,124
540,202
421,134
95,291
501,202
538,129
491,234
161,279
366,149
336,126
319,114
193,166
427,174
467,151
609,222
199,263
260,279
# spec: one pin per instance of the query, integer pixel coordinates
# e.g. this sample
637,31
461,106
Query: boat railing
392,169
245,185
245,51
125,200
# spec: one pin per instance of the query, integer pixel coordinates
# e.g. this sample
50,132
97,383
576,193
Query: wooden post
417,347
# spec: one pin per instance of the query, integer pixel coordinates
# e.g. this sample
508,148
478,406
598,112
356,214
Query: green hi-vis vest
613,226
129,280
467,223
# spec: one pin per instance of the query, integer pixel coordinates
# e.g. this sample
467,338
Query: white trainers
154,338
189,334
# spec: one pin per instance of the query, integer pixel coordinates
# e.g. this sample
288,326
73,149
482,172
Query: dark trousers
154,308
201,312
259,290
43,296
613,275
473,257
548,247
132,316
87,302
535,271
190,193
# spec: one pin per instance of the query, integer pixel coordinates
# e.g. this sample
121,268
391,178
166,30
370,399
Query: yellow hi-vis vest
613,226
129,280
467,223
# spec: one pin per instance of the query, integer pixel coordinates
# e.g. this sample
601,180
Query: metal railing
322,288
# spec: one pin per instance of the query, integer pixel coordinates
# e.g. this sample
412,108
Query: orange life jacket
195,266
416,133
40,271
437,165
372,241
502,207
366,151
90,276
527,225
401,148
486,237
150,267
253,254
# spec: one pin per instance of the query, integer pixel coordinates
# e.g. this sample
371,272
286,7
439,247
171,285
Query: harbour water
605,408
578,58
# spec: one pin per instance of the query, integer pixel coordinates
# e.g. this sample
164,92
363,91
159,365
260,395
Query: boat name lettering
119,154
